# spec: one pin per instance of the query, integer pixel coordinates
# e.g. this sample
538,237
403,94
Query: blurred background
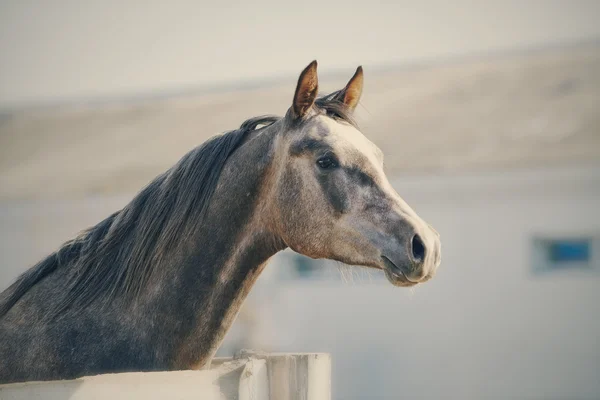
488,113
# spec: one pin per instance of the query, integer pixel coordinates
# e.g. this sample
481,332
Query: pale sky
65,50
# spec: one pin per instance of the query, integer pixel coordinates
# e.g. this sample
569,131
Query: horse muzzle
414,263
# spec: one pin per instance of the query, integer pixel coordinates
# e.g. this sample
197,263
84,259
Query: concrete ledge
249,375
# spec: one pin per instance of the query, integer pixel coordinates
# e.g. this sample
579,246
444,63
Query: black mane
119,254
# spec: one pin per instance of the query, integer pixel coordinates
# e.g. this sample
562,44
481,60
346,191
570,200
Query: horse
156,285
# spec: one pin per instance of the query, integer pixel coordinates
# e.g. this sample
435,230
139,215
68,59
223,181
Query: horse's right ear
306,91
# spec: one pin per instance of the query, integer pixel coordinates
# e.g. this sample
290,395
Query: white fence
248,376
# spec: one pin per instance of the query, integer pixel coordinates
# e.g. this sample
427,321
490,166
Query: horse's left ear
350,95
306,90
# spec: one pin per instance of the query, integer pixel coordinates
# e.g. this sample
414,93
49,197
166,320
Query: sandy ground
525,110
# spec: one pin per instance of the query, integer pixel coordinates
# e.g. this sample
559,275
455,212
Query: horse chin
395,276
398,279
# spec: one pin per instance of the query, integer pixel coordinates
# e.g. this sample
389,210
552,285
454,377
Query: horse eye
327,162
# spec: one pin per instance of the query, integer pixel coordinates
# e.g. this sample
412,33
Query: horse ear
350,95
306,90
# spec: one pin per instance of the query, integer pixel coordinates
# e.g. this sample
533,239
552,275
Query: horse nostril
418,249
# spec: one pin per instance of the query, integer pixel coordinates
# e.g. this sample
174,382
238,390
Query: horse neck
217,269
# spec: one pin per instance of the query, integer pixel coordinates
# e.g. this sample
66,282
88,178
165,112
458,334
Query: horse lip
394,270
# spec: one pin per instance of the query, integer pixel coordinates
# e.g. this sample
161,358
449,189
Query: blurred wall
487,326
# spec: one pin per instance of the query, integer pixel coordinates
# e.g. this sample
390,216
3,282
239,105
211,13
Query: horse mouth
395,275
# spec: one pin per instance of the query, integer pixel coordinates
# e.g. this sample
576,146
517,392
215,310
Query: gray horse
156,285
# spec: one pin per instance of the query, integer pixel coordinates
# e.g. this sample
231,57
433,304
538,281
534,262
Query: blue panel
562,251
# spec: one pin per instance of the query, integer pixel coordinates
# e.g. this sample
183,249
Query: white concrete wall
248,376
